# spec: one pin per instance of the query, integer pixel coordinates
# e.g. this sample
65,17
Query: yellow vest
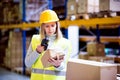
41,73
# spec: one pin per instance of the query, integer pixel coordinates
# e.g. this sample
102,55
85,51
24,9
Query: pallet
78,16
6,67
104,14
101,14
19,70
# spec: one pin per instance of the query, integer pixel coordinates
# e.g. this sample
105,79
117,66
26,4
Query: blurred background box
109,5
71,7
118,68
95,49
88,6
83,55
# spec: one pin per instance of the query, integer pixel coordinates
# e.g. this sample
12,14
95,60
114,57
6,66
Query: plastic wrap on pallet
34,9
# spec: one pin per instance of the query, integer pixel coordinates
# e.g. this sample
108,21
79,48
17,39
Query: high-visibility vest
49,73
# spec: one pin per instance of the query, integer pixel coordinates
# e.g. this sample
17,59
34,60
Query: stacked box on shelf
88,6
95,49
13,56
5,19
71,7
17,18
83,55
82,8
109,5
118,68
11,13
1,14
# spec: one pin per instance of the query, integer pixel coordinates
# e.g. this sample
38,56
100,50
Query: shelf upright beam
98,33
65,14
65,5
119,37
24,35
66,33
50,5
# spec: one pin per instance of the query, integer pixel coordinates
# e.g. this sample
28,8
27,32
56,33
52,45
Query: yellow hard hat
48,16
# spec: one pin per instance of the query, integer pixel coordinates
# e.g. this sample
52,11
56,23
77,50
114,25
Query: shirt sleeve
31,56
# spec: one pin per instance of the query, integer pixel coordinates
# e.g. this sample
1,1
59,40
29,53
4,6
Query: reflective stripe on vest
49,72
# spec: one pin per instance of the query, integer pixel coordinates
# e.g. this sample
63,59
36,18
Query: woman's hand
40,48
56,62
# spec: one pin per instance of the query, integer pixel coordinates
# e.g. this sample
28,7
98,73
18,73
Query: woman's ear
56,27
58,24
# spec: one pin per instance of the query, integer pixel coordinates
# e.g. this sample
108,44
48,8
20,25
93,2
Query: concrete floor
8,75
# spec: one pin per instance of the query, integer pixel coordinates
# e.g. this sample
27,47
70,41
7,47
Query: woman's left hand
56,62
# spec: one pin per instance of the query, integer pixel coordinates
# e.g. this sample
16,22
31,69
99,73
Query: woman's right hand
40,48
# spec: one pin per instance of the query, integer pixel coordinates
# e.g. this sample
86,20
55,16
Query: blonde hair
58,31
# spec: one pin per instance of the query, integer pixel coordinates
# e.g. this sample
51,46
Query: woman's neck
52,37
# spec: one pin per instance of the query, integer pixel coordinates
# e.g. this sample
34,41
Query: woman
49,29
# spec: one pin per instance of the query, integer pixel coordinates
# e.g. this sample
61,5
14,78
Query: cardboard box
50,53
109,5
71,7
78,69
118,68
117,59
88,6
83,55
95,49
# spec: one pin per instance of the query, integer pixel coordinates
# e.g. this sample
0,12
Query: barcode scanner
45,43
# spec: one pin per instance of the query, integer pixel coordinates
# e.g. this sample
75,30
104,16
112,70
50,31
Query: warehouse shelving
65,24
81,22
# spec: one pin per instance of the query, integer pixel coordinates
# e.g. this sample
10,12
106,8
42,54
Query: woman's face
50,28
